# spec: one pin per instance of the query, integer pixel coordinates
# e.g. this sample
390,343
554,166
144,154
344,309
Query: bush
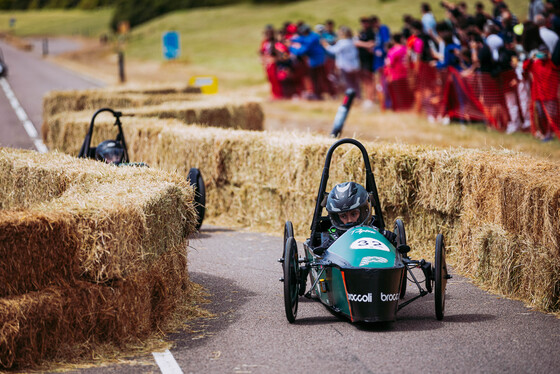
137,12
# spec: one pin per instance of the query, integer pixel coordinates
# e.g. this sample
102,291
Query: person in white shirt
549,37
346,59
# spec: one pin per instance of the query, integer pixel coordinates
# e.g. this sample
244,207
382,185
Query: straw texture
90,252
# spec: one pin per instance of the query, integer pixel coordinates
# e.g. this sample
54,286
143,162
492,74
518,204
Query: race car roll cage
87,151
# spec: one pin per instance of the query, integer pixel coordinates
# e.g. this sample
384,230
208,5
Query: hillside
224,42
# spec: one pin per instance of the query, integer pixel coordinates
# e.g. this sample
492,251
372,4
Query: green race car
363,274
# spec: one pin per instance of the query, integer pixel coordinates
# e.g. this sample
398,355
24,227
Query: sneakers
512,127
547,138
367,105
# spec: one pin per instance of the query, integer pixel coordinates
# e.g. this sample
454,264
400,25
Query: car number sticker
373,259
369,243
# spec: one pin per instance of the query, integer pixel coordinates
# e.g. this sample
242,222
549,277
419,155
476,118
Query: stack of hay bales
498,210
91,253
219,111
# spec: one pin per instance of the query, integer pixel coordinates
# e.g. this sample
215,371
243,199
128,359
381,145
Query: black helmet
345,197
110,151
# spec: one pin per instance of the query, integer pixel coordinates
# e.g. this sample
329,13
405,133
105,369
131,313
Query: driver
110,151
348,205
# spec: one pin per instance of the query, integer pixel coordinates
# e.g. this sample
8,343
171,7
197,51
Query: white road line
167,363
27,124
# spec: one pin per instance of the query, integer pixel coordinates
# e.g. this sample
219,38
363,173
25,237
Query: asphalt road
481,333
30,77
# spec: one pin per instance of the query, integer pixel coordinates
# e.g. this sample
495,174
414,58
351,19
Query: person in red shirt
270,50
545,79
396,72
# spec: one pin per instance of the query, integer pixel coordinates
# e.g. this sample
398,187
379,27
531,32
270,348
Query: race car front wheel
291,279
288,231
441,276
195,178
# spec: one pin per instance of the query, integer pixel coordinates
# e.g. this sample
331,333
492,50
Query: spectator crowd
487,66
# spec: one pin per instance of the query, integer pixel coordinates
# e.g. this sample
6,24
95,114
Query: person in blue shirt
308,44
450,56
382,38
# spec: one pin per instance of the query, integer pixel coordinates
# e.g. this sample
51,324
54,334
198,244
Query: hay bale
66,323
55,102
215,112
261,179
220,111
121,217
99,256
17,41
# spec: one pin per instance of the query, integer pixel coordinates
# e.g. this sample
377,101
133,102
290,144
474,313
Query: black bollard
45,47
342,113
121,67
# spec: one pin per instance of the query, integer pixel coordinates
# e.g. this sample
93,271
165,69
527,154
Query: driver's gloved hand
319,250
390,236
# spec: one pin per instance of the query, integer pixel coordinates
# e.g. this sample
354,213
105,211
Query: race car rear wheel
401,240
291,279
195,178
440,275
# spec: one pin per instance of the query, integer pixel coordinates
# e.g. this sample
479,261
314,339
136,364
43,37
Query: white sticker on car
369,243
373,260
389,297
360,298
363,231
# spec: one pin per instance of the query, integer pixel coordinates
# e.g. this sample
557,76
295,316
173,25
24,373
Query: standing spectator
307,44
269,53
535,7
382,39
508,23
327,34
480,16
544,78
428,19
549,37
366,39
497,9
347,59
449,55
424,73
397,75
555,18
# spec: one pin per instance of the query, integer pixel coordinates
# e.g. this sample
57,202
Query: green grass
57,22
224,39
224,42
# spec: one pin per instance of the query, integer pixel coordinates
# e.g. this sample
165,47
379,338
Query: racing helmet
345,197
110,151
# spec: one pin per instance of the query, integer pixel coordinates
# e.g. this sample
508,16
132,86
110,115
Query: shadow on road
205,231
226,299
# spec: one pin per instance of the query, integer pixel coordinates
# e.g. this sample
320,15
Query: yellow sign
207,84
